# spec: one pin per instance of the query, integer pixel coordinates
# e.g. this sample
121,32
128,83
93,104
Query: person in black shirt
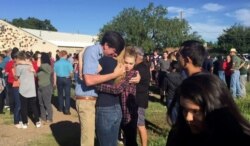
142,89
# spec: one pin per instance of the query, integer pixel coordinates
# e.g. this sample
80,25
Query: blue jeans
235,84
221,75
17,105
174,113
63,88
108,120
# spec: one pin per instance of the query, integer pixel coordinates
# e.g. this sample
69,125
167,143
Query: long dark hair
45,58
211,94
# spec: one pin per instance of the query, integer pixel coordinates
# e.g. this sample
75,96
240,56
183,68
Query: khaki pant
86,113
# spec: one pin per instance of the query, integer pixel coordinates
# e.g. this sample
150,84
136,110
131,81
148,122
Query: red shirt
34,63
8,70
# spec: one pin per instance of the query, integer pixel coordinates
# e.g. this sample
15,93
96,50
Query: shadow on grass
156,129
54,101
154,95
66,133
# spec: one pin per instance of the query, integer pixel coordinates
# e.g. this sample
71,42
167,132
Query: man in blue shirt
111,44
63,71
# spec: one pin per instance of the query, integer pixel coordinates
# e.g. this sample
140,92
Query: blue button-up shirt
91,58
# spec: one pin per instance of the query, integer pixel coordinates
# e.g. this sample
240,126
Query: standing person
172,81
235,76
111,44
164,64
150,65
243,75
27,89
190,56
13,91
108,134
63,71
228,66
142,89
76,67
108,110
207,115
9,100
45,88
219,68
208,64
57,55
155,60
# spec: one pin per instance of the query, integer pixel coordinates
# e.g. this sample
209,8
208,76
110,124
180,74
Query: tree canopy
150,28
33,23
236,36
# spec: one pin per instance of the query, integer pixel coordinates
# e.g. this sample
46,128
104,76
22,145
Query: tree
236,36
33,23
150,28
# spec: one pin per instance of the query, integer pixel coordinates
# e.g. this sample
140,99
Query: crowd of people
112,91
233,69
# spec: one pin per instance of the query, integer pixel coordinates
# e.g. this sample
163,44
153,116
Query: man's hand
119,70
135,79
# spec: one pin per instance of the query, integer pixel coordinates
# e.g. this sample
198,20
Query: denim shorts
141,116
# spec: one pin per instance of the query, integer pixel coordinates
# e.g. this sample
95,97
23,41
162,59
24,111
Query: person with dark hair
155,61
228,66
207,115
44,90
191,56
219,68
111,44
208,64
57,55
9,101
172,81
113,40
13,91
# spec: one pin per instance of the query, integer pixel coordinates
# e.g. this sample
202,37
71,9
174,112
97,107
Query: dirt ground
62,124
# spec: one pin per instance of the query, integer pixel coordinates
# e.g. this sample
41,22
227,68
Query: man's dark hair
114,40
14,52
194,50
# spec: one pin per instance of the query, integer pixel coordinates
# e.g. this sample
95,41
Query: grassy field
155,121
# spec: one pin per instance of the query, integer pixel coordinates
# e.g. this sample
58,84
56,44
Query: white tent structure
40,40
65,41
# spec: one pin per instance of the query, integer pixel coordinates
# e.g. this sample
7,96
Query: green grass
156,125
244,103
45,140
7,118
